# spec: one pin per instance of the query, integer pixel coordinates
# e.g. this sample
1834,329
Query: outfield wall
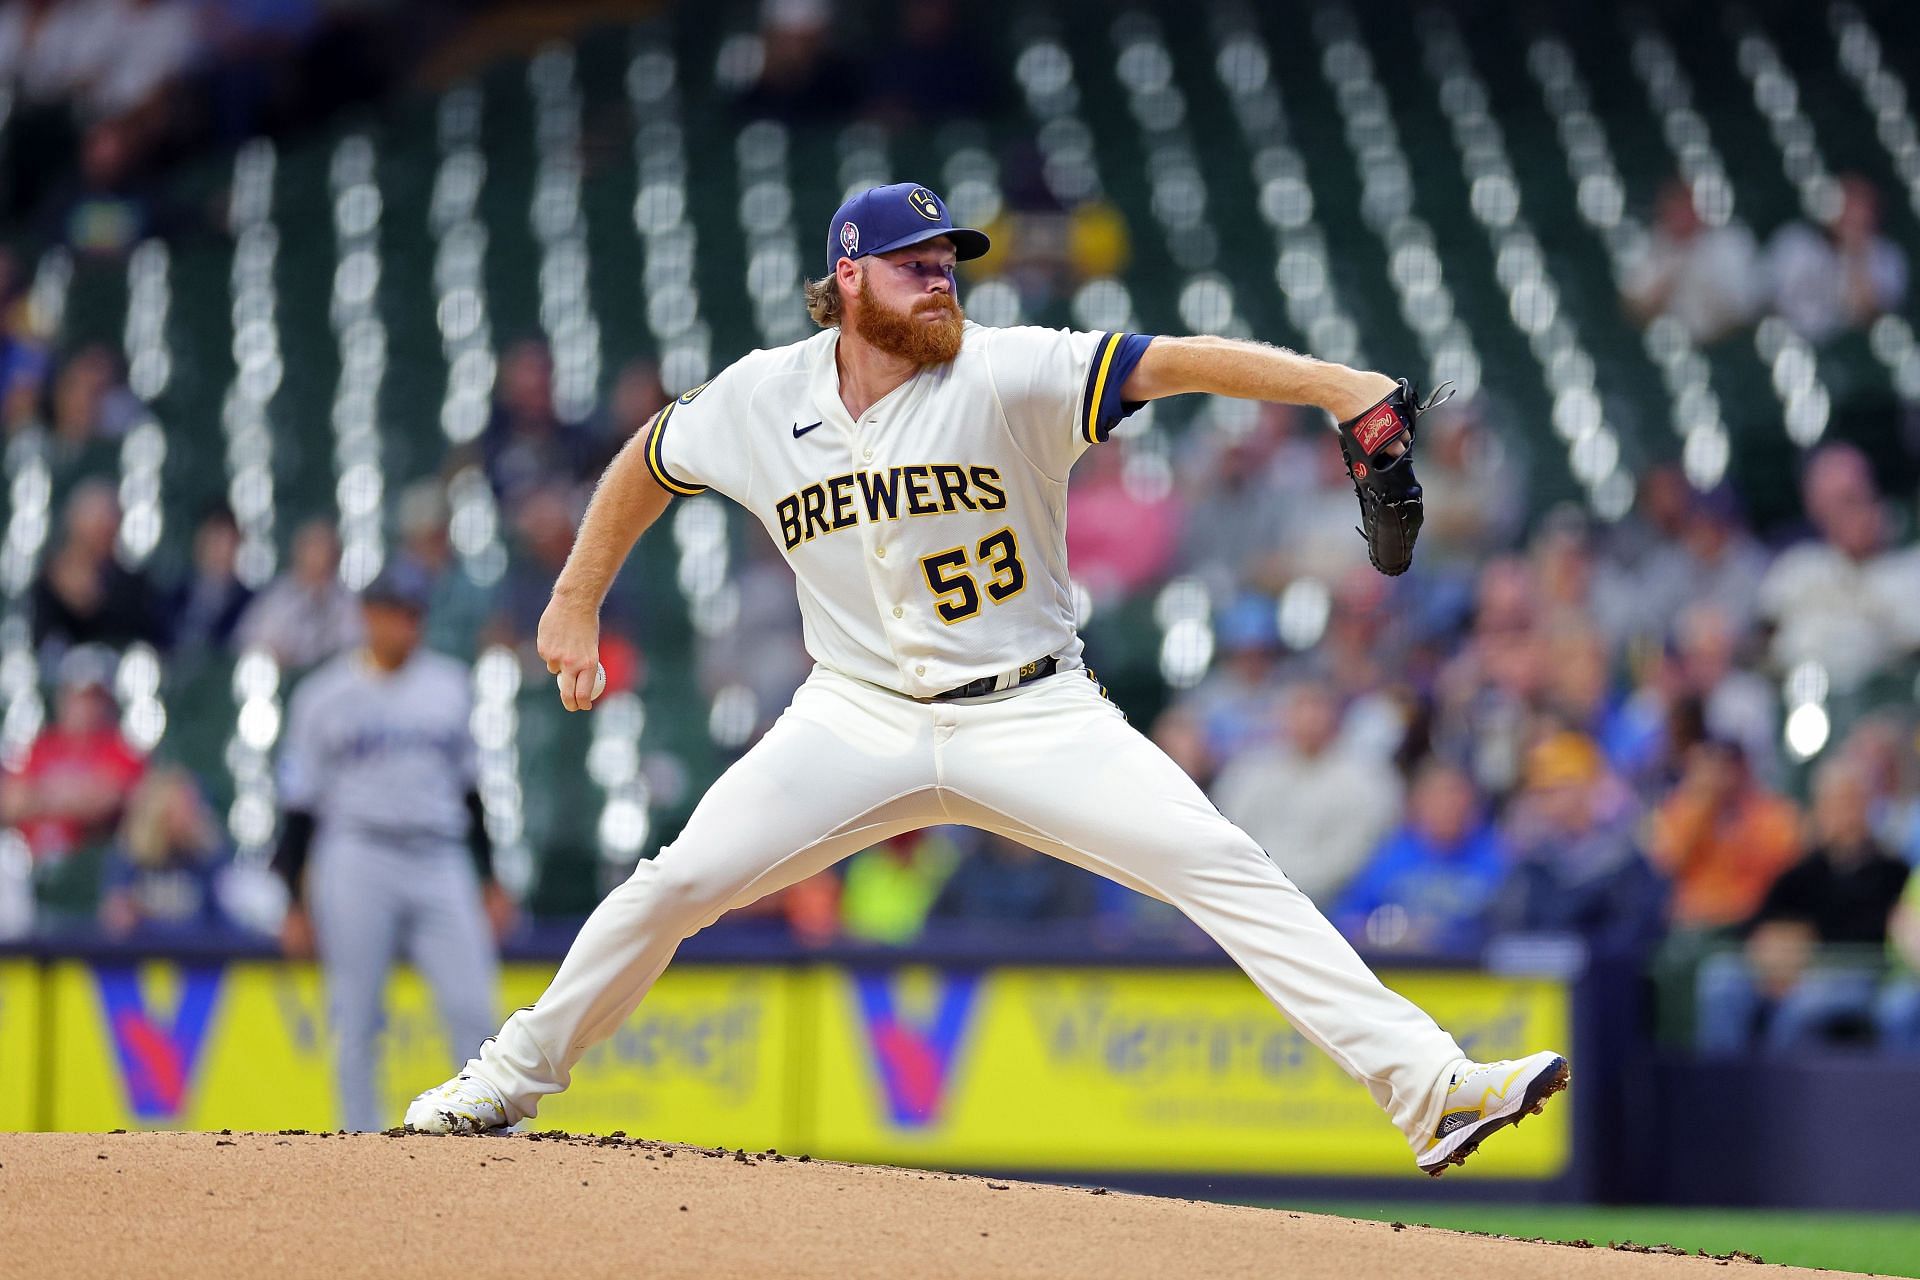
1066,1071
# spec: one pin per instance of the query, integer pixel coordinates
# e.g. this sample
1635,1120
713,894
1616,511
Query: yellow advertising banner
706,1059
1043,1069
169,1046
244,1046
1129,1070
19,1044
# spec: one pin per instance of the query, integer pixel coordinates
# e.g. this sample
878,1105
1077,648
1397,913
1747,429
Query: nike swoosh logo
799,430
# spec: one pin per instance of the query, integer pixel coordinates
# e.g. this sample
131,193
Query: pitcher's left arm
1245,370
1375,413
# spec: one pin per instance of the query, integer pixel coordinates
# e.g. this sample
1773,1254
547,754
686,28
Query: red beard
906,334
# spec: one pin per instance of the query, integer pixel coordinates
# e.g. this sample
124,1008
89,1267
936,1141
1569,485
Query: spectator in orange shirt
1811,962
1721,837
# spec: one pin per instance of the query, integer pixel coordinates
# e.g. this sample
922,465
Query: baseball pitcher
377,779
913,466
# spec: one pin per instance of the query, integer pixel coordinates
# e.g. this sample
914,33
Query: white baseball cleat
1488,1096
464,1104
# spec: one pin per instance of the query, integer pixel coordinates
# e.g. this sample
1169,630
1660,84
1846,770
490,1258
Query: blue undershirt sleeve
1113,360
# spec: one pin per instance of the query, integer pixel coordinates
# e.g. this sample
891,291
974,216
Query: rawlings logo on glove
1377,426
1382,475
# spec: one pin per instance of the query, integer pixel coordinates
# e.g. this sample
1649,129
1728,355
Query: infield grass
1884,1244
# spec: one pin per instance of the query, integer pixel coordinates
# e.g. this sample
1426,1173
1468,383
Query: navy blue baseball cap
403,584
882,219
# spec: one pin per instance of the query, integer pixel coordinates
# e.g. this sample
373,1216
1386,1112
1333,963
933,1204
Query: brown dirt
204,1204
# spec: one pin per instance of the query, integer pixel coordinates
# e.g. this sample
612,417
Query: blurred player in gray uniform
377,782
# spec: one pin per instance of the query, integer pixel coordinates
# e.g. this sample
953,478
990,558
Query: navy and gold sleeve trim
1114,357
656,430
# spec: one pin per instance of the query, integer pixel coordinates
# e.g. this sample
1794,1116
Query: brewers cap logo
850,238
924,204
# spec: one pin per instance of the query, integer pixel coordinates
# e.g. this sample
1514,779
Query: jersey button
867,456
881,552
898,612
920,670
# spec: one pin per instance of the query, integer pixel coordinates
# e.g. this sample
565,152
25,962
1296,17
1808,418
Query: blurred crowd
79,402
1714,277
102,95
921,64
927,65
78,797
85,592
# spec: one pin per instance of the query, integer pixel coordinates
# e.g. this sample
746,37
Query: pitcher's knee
1232,870
1213,841
1235,853
673,890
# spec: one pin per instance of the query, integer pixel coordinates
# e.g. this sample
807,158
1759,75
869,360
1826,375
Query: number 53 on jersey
956,589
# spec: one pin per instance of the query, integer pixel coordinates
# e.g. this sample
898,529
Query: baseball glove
1382,475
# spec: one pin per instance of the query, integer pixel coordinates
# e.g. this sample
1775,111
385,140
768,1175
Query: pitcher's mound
296,1204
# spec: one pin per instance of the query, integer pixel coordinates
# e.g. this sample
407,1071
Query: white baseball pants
1053,765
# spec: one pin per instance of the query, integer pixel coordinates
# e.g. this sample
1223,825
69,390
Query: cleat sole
1532,1104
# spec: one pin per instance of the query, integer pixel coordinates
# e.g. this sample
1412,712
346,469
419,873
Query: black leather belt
992,684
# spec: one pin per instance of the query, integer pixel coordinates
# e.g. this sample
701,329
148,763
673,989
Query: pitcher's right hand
569,643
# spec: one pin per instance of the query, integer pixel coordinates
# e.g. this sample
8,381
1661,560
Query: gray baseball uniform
384,761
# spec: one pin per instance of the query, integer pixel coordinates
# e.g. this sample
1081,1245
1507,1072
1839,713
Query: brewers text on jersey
918,489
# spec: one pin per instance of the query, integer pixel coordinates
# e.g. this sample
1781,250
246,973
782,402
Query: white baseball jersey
928,538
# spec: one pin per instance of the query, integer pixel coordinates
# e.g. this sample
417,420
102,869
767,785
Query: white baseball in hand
599,683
